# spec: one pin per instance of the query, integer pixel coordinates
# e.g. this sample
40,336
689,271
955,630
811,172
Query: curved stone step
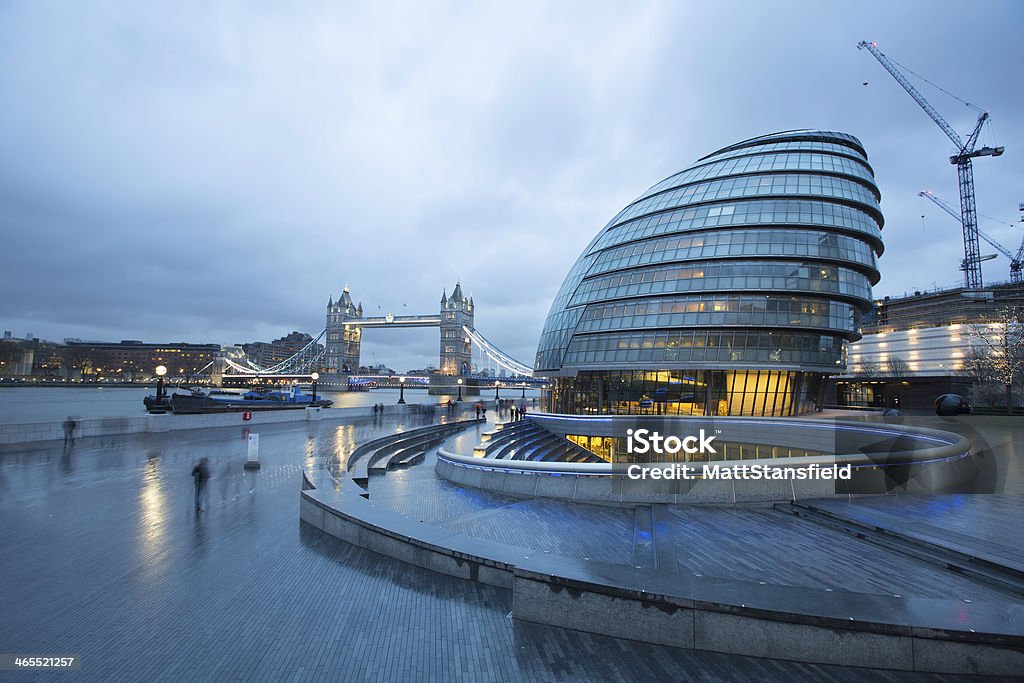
365,457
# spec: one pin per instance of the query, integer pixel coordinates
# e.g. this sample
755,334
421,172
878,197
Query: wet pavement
747,543
104,556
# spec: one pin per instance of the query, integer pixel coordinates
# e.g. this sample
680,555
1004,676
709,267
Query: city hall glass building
729,288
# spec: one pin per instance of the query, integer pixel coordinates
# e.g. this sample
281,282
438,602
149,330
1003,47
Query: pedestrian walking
69,429
201,475
478,411
514,411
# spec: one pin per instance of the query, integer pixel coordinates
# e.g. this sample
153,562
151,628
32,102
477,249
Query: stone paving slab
765,545
986,526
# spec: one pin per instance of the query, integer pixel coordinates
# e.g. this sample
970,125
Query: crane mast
962,160
1016,264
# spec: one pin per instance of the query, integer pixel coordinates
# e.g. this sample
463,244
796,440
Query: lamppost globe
401,389
160,372
315,376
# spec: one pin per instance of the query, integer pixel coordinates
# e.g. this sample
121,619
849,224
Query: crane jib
962,160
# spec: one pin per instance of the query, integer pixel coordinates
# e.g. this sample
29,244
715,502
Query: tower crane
1016,260
962,161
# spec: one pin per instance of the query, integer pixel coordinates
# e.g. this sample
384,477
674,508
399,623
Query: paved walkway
744,543
105,557
984,526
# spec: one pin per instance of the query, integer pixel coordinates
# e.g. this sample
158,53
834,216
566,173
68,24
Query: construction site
919,345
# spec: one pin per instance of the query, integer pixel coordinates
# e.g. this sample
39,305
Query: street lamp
160,372
460,390
496,390
401,389
524,389
315,376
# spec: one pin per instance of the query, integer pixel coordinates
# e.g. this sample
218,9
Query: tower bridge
334,353
345,325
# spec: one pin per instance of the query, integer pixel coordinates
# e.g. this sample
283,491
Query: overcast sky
213,172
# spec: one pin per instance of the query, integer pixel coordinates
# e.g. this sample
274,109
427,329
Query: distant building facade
941,307
127,361
17,356
269,354
917,347
135,361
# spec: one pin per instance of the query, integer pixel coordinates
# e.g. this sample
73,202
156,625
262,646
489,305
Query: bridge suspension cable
306,359
497,355
309,357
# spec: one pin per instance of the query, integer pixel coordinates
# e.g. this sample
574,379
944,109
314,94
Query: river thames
48,404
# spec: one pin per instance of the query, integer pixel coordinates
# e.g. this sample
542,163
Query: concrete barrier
146,423
920,459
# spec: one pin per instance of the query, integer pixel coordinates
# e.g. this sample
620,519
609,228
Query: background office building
921,345
730,288
269,354
133,361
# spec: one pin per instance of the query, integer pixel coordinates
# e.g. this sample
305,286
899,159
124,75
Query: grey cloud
214,172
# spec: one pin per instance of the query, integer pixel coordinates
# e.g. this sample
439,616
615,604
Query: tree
897,367
998,349
866,369
76,358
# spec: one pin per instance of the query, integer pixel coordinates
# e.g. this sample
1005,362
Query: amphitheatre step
986,527
501,440
499,428
538,446
506,449
526,440
368,455
991,571
406,454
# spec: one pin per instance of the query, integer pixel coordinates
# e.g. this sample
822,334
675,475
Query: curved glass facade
748,212
750,270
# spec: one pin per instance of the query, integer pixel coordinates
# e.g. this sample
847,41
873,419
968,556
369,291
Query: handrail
942,446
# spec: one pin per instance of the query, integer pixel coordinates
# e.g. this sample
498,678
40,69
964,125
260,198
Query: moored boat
256,399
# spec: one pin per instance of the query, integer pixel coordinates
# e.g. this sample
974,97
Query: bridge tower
341,355
456,350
